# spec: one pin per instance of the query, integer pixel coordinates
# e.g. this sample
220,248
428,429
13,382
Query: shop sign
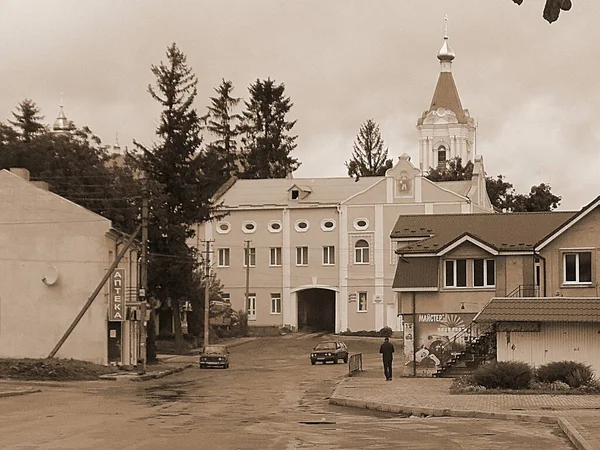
116,304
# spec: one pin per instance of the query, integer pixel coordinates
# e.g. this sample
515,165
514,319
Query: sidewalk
577,415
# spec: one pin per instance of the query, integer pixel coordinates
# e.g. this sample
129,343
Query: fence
354,363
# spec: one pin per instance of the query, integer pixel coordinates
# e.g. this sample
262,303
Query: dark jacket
387,350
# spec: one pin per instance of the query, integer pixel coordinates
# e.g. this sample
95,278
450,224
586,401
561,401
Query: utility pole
207,292
247,256
144,280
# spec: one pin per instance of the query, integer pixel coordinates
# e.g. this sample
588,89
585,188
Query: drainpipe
544,262
414,297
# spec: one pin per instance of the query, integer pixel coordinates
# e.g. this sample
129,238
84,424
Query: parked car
329,351
214,356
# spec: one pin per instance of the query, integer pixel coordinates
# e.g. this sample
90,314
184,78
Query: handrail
523,290
469,329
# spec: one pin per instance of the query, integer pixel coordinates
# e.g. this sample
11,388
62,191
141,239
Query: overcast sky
530,85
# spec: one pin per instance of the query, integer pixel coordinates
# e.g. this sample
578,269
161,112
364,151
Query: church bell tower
446,130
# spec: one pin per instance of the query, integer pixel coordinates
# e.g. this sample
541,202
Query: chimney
41,184
20,172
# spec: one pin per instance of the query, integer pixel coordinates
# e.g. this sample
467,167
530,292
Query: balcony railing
525,290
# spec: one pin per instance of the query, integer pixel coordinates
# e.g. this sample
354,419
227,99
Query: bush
504,375
573,373
386,332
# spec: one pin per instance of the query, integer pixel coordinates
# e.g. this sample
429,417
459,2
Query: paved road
270,398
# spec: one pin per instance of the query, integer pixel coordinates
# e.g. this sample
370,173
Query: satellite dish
50,276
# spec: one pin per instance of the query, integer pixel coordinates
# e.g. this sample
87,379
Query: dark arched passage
316,310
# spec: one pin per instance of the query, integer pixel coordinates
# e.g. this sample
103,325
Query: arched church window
361,252
441,157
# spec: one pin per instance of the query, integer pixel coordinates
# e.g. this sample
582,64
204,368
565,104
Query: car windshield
325,346
214,350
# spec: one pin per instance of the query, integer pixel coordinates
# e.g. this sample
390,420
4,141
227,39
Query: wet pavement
577,415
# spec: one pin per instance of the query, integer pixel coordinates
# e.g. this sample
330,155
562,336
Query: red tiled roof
537,309
503,232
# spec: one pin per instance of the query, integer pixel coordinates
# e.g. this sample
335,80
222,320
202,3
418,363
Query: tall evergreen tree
179,194
27,120
369,158
220,159
266,141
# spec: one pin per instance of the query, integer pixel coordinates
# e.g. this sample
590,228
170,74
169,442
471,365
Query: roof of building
416,273
274,191
446,96
536,309
502,232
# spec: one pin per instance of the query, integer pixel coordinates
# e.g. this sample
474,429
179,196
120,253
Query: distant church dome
61,124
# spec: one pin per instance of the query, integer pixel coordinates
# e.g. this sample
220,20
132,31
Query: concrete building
54,253
316,253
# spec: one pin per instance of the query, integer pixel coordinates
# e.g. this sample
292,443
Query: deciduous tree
552,8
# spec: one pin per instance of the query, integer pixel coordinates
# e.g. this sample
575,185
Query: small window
251,306
301,256
361,252
329,255
226,297
577,267
456,273
274,226
295,194
301,226
249,227
223,227
250,253
484,274
276,303
223,260
328,225
361,304
361,224
275,256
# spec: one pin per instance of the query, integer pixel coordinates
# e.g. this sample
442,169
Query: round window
328,225
361,224
301,225
274,226
249,227
223,227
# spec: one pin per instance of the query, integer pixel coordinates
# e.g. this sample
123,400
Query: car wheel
313,362
346,360
335,360
227,366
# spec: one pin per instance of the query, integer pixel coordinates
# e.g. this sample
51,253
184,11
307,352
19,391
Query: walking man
387,352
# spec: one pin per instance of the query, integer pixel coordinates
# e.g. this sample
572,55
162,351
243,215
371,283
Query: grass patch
52,369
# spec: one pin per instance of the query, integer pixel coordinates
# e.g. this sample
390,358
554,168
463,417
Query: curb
162,374
567,428
17,392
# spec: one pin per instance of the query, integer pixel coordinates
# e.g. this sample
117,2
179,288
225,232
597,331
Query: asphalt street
270,398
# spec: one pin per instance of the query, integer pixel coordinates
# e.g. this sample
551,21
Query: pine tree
369,158
220,160
266,141
27,122
179,194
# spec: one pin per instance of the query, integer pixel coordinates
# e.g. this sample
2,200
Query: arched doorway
316,310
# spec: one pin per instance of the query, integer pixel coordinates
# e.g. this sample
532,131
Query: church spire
61,124
446,129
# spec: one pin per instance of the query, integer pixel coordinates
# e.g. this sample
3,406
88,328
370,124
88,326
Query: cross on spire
446,26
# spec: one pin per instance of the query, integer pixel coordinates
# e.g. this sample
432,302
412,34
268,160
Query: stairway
478,350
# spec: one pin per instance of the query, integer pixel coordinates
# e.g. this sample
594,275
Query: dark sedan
329,351
214,356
